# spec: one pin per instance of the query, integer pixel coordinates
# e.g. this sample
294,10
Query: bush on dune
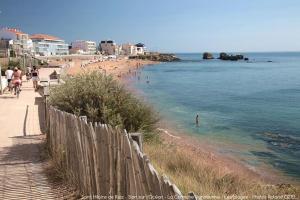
102,99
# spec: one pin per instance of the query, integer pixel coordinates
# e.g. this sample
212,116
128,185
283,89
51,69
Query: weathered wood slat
96,159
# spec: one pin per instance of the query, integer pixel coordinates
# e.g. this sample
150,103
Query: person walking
9,74
28,73
35,77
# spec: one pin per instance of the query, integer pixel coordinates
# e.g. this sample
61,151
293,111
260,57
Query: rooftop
140,45
44,37
14,30
88,41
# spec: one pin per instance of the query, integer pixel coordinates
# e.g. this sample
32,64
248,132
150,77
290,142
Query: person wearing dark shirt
35,77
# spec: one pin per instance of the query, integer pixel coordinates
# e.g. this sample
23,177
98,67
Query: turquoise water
249,110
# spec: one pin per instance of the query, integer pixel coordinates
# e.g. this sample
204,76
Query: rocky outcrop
160,57
207,55
225,56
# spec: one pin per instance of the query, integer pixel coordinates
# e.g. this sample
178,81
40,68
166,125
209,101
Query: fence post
84,118
1,89
138,137
192,196
46,94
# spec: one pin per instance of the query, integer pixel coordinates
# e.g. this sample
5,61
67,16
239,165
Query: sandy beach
118,68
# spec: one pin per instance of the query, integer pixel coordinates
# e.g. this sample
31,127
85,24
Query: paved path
22,167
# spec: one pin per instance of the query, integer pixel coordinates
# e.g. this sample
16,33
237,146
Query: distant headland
160,57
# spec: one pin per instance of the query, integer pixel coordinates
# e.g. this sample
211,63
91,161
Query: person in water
197,120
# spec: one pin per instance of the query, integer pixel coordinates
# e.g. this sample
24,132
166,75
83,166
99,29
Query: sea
249,110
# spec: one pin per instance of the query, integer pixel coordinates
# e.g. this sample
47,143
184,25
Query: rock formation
207,55
160,57
225,56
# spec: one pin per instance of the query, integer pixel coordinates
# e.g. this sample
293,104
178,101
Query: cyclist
16,78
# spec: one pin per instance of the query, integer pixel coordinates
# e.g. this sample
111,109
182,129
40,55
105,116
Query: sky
164,25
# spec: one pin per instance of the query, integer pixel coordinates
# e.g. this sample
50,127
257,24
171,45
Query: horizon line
216,52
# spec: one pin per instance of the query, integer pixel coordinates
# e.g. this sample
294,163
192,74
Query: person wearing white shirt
9,74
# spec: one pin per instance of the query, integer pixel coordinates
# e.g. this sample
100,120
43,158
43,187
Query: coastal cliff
160,57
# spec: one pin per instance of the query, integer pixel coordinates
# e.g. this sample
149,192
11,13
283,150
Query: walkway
22,155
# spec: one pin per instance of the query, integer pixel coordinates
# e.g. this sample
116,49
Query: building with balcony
47,45
129,49
4,48
109,47
86,47
140,49
20,43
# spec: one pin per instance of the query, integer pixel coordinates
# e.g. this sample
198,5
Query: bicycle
17,89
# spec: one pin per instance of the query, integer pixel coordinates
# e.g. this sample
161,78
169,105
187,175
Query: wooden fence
104,162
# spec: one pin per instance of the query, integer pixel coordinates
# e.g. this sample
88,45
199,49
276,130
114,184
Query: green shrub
102,99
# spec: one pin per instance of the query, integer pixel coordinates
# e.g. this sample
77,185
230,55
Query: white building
19,41
47,45
4,48
86,47
141,49
109,47
129,49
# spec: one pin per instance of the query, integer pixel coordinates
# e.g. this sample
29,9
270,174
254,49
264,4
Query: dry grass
191,173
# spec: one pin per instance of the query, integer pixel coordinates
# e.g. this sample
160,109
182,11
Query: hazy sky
164,25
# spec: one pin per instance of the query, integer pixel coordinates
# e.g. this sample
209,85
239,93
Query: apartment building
129,49
20,43
109,47
47,45
84,46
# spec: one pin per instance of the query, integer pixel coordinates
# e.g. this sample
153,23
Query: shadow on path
21,152
26,173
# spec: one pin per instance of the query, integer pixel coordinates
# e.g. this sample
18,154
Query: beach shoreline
124,70
119,68
210,154
192,144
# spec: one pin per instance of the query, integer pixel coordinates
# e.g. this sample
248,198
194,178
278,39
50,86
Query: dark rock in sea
240,57
270,61
246,59
225,56
207,55
160,57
